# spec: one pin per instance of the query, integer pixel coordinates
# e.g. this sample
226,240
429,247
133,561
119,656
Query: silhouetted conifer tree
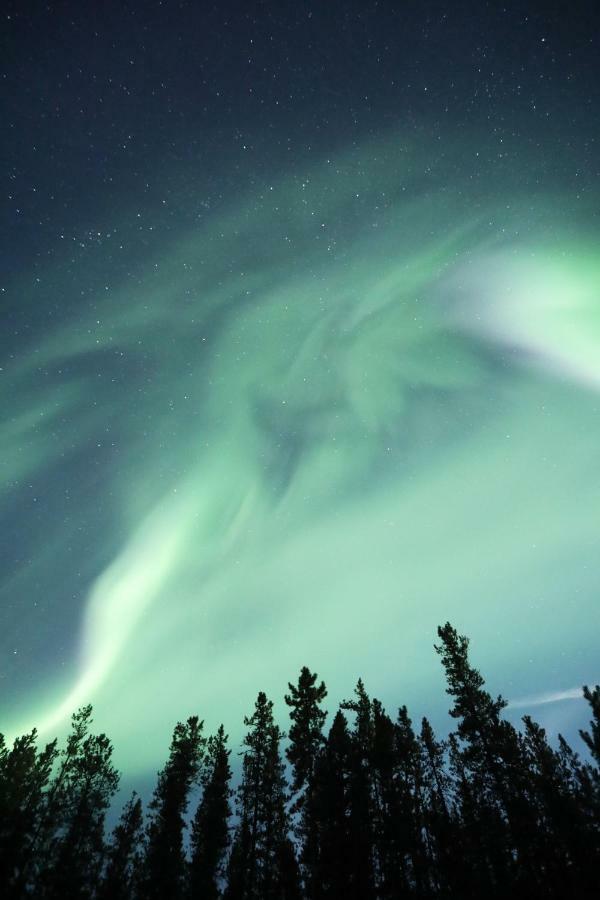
521,804
210,829
306,732
389,817
588,775
24,778
86,784
260,855
592,737
165,863
440,834
559,840
411,817
492,757
238,868
52,821
331,812
306,742
471,836
362,872
288,872
124,854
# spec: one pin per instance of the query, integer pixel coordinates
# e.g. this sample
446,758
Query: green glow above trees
340,411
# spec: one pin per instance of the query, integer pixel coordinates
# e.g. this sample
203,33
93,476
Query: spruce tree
306,741
440,833
588,776
474,872
591,738
493,761
87,784
165,863
210,829
52,822
124,854
24,778
306,732
524,816
410,817
362,882
261,847
389,815
560,842
331,813
237,882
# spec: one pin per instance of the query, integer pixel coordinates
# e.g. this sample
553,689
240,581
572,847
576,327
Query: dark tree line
370,808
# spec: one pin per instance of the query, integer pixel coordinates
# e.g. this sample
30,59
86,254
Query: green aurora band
347,408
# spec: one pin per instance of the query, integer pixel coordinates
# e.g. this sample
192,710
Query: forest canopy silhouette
366,807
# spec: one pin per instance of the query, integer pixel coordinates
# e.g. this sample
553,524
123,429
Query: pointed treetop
592,737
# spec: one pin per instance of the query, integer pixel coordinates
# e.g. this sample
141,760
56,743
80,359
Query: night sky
299,356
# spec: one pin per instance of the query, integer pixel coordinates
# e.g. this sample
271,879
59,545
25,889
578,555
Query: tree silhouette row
367,809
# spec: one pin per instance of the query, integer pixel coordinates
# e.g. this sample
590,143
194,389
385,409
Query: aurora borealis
293,382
